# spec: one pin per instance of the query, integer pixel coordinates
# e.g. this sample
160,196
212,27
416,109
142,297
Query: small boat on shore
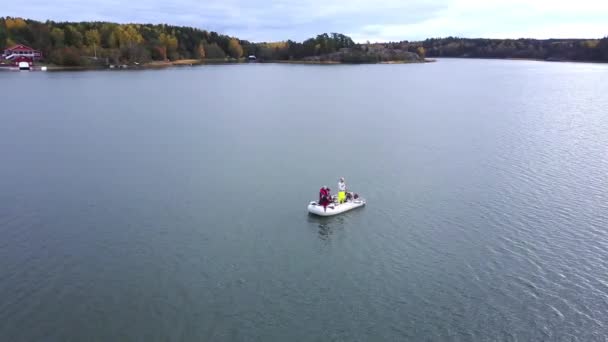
335,208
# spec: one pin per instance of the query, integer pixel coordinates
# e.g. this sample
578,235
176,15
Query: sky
363,20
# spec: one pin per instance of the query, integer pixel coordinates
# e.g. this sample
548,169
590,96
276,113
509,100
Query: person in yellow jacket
341,191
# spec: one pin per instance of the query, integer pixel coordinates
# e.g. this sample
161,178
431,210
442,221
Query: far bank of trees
322,44
66,43
77,43
545,49
81,43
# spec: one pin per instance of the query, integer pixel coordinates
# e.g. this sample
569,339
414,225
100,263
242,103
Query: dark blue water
171,205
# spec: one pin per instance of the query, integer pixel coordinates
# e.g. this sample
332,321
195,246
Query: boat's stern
317,209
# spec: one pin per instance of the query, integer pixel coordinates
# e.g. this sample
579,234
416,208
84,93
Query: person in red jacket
322,193
324,197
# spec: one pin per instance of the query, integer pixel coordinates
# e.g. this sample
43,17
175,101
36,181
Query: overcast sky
380,20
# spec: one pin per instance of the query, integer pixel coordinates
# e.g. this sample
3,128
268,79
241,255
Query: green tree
42,38
57,37
214,51
265,53
108,39
3,34
73,37
602,48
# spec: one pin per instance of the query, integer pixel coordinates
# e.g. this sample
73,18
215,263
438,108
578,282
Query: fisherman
324,197
341,191
322,193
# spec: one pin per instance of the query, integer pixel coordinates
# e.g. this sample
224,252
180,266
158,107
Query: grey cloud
254,20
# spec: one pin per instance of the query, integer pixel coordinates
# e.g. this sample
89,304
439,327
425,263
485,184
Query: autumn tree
92,37
420,51
129,40
200,51
18,31
14,24
168,45
127,36
235,49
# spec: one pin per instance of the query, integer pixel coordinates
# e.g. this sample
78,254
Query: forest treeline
543,49
82,43
66,43
78,43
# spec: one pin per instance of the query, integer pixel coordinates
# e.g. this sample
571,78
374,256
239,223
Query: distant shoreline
343,63
194,62
199,62
527,59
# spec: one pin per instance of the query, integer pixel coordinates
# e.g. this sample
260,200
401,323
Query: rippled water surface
171,205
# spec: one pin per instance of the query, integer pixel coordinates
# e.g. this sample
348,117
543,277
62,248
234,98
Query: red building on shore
21,53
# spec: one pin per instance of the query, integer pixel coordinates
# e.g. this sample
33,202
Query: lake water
169,205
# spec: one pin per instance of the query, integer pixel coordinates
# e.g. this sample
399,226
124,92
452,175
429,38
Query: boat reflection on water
327,226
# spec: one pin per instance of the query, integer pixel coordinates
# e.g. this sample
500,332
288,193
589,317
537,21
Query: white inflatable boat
334,208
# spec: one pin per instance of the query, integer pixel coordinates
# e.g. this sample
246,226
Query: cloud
500,19
271,20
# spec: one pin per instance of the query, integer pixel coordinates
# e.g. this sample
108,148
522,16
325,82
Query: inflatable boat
334,208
